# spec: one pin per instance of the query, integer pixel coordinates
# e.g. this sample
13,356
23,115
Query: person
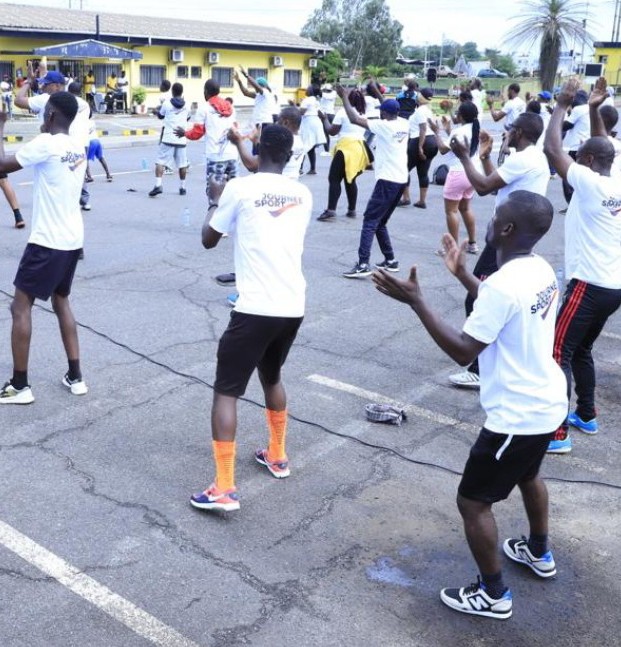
48,84
327,108
422,148
6,88
391,174
95,151
122,84
408,98
350,158
112,93
592,261
49,261
90,89
79,129
526,169
511,329
267,215
165,91
172,148
511,109
373,97
457,190
11,198
577,129
213,122
476,92
264,102
311,130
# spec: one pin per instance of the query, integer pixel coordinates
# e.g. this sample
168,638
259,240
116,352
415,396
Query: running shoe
359,270
214,499
77,387
465,380
182,191
560,446
420,205
231,299
351,213
474,600
10,395
403,203
156,190
389,266
226,279
85,206
518,551
472,248
328,214
279,469
587,426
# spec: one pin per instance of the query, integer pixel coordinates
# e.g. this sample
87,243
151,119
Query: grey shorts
170,156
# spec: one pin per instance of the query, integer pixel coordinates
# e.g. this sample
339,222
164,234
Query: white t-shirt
310,105
349,130
523,389
327,102
217,146
477,99
174,117
122,83
292,167
59,163
264,107
372,105
525,170
513,108
616,144
420,116
80,125
267,215
581,131
462,132
545,117
391,150
37,104
593,228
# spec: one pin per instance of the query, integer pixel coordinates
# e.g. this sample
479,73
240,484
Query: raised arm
497,115
553,142
598,95
244,90
352,114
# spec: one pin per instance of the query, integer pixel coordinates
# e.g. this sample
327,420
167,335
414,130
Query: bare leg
223,417
159,170
103,162
21,332
68,328
535,496
9,193
451,209
481,533
468,216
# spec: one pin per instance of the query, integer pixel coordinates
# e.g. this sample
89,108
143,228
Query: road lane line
410,409
611,335
102,597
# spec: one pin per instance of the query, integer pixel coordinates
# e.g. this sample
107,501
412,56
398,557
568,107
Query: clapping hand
599,93
568,92
454,254
406,291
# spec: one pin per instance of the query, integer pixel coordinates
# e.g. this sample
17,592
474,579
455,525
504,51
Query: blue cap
52,77
545,95
390,106
262,81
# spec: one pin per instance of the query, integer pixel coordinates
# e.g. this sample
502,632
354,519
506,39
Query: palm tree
555,23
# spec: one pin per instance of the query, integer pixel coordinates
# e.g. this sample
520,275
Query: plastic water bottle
144,164
185,217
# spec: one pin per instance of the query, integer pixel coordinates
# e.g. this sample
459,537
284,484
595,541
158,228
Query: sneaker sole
508,552
225,507
26,400
362,275
388,269
561,450
465,385
589,432
278,475
505,615
83,390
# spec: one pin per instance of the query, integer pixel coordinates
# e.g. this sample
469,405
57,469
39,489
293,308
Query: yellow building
610,55
187,51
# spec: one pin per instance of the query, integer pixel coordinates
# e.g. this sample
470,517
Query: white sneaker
474,600
10,395
77,387
472,248
518,551
465,380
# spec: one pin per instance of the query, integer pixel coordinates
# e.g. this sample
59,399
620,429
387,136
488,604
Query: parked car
445,71
491,73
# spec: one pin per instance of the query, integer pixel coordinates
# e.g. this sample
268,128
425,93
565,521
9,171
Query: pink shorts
457,186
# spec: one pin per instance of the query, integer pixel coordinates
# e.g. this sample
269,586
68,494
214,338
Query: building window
196,72
182,71
293,78
102,71
256,72
152,75
223,76
603,59
6,68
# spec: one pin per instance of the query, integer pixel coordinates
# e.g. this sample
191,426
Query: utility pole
616,22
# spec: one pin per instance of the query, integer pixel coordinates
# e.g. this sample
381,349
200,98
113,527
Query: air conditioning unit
312,62
213,58
277,61
176,55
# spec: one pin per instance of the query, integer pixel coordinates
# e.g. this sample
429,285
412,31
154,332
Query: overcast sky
482,21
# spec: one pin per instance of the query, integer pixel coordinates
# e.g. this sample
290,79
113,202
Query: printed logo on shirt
614,204
74,159
281,202
400,136
545,299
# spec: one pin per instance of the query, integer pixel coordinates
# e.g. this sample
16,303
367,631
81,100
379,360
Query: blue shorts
95,150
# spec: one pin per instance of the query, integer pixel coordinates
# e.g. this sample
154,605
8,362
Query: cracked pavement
350,551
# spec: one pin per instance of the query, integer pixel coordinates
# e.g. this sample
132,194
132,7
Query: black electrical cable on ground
303,421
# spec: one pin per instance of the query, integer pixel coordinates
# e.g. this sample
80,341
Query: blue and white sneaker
214,499
587,426
474,600
560,446
232,299
518,551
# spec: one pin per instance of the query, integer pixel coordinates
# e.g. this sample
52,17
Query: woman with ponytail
458,191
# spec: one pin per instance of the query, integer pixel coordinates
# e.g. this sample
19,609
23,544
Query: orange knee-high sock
277,425
224,457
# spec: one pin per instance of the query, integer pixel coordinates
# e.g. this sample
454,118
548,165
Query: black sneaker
389,266
518,551
182,191
226,279
351,213
359,270
156,190
474,600
328,214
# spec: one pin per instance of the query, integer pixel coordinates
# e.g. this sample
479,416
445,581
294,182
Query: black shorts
3,176
498,462
44,271
249,342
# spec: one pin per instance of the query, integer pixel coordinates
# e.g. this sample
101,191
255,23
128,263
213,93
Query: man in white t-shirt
592,262
267,216
391,175
577,129
511,329
526,169
510,111
50,258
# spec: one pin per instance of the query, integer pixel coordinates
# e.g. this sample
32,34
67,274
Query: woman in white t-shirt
422,148
458,191
327,107
311,130
350,158
476,90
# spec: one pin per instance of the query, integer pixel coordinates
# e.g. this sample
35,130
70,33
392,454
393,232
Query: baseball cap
52,77
262,81
390,105
545,95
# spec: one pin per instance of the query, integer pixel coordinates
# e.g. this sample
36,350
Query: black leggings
430,149
335,177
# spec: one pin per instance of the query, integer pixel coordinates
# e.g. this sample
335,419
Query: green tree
329,68
362,30
470,51
555,24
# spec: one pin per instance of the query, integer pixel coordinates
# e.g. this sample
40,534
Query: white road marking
146,170
611,335
410,409
103,598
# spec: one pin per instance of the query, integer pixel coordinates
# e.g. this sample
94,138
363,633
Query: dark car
491,73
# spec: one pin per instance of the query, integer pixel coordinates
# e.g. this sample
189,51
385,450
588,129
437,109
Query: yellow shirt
89,83
111,84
